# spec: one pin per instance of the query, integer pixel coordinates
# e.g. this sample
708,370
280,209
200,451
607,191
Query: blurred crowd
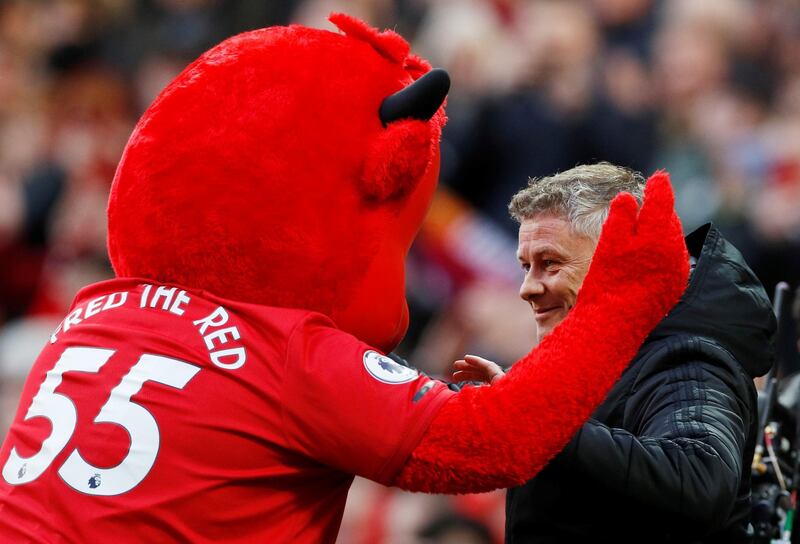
708,90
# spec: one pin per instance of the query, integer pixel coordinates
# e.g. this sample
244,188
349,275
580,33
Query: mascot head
287,167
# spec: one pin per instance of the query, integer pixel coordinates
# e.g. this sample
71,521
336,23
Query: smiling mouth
544,313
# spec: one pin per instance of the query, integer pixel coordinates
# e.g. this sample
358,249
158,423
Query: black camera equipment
776,463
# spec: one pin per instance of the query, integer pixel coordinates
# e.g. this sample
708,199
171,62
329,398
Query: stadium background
708,90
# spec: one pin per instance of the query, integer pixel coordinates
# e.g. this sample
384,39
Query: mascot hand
640,255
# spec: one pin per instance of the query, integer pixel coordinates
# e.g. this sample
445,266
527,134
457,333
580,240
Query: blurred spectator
20,342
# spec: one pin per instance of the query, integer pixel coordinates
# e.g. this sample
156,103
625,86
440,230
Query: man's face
555,261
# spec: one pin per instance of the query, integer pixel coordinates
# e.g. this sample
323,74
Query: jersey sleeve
348,406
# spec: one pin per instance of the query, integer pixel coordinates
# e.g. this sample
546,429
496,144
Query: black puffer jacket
667,457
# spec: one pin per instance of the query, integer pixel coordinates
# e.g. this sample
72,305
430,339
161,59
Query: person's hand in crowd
477,369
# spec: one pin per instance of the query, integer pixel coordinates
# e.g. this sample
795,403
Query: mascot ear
388,43
398,158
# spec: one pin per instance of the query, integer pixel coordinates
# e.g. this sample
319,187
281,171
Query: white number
139,423
58,409
119,409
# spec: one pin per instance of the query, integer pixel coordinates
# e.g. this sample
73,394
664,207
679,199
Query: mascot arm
486,438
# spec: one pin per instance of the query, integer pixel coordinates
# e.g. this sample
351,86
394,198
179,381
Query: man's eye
525,267
547,263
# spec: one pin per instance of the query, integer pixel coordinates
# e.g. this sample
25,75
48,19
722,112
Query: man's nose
531,288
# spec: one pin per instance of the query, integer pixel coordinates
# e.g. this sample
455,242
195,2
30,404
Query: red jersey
159,414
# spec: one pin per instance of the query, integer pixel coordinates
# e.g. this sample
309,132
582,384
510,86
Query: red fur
259,174
392,166
388,43
500,436
417,66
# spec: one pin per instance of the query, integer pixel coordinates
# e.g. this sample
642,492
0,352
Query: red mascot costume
231,381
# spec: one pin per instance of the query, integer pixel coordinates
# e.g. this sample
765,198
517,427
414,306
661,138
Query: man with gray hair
666,458
560,222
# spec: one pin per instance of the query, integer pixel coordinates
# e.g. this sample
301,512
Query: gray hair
582,195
